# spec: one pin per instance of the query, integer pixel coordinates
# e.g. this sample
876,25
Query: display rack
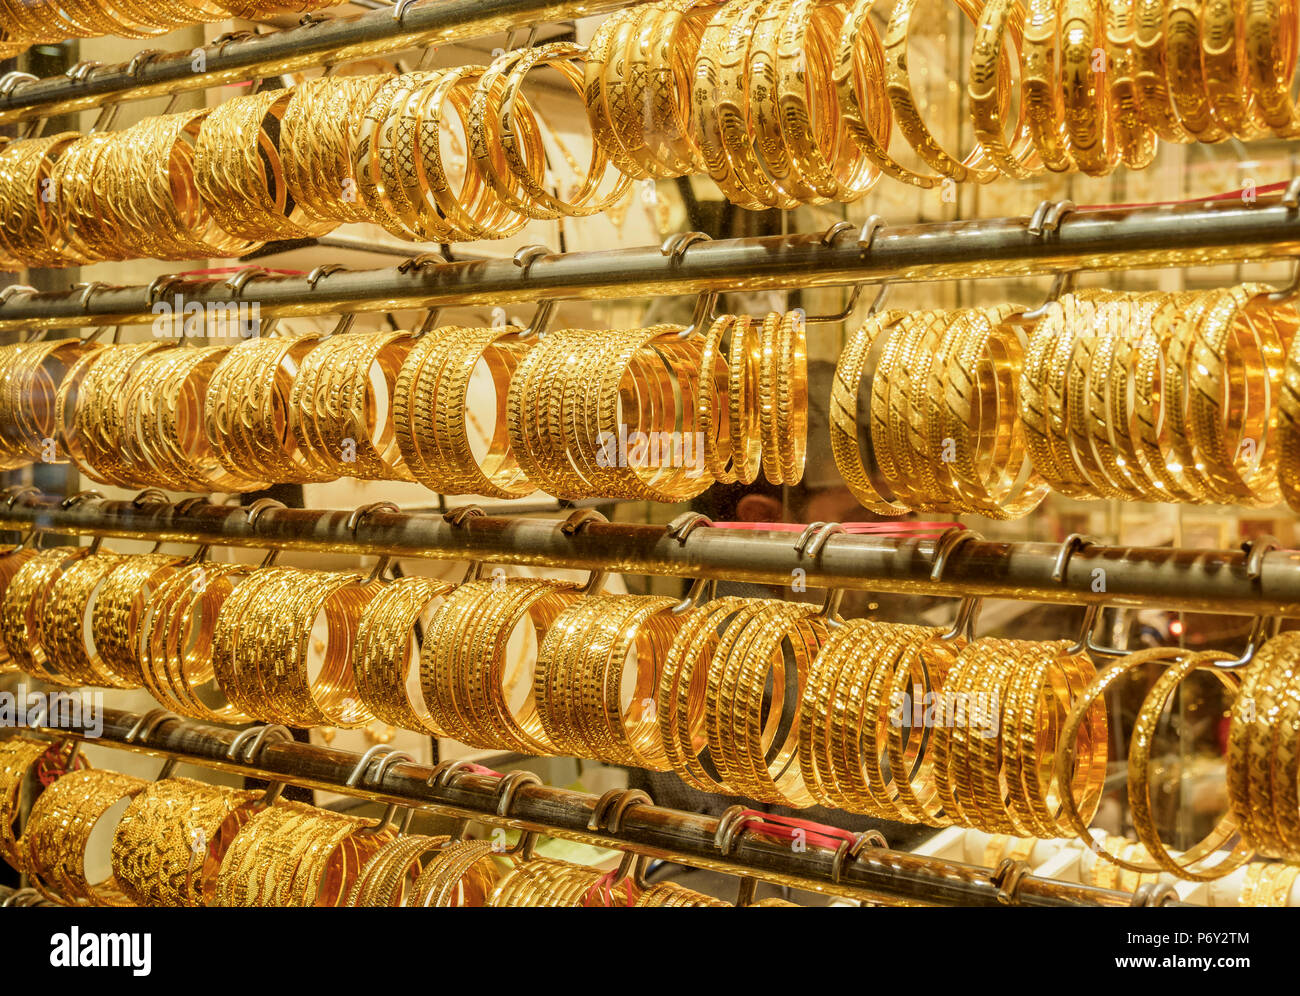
315,42
1192,234
1263,582
620,819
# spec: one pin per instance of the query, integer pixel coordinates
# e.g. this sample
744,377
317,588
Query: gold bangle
906,115
1086,105
385,654
1041,84
1139,788
166,849
985,81
859,468
59,829
1135,138
1154,99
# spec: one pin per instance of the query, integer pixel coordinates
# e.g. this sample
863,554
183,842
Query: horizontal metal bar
673,835
1194,580
1122,238
328,42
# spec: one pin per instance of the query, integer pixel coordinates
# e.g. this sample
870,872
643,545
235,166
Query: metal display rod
628,823
1267,582
316,42
1109,239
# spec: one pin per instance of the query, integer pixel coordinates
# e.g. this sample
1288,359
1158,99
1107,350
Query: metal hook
420,262
1071,543
630,866
1084,642
141,59
253,513
1262,628
1154,894
809,544
235,282
730,825
11,79
221,41
1290,291
746,891
183,508
88,290
831,234
847,851
147,724
1047,217
1062,284
1008,878
158,285
399,9
613,806
458,517
866,236
944,547
343,326
1291,196
702,314
324,270
685,524
167,770
360,776
511,783
355,519
153,496
106,117
525,258
16,491
247,749
676,245
963,624
429,324
81,70
1254,549
577,521
73,500
445,773
701,590
13,289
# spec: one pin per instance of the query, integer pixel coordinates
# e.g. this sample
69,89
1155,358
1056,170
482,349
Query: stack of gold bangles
766,699
290,164
1166,397
1188,397
181,842
780,103
736,695
941,405
32,21
635,418
794,102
